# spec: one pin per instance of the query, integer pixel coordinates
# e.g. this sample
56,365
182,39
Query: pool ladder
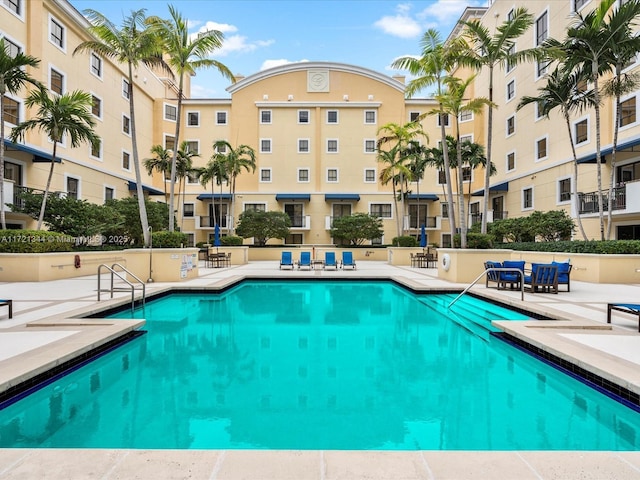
131,286
493,269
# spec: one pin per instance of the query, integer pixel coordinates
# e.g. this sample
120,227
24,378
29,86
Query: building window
578,4
303,175
332,116
13,6
96,65
170,112
221,118
369,175
126,161
542,28
265,145
444,210
381,210
265,175
370,116
126,125
369,146
527,198
466,174
56,33
193,177
541,148
466,116
193,146
303,116
169,142
96,106
538,111
125,88
193,119
11,111
96,149
443,119
57,82
332,175
414,116
188,210
581,131
73,187
446,240
511,15
222,148
511,125
564,190
255,207
332,146
628,112
11,48
511,90
509,64
265,116
109,194
511,161
442,178
541,68
303,145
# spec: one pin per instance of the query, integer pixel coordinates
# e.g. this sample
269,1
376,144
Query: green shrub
605,247
33,241
231,241
166,239
475,240
404,241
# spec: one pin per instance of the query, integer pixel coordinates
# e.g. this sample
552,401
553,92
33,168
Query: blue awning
215,196
293,196
628,146
39,156
423,196
150,190
342,196
501,187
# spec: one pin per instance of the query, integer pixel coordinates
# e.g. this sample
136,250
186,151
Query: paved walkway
581,335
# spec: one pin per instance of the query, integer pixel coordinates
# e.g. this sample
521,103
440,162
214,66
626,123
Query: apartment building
314,127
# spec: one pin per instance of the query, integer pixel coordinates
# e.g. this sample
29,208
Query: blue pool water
319,365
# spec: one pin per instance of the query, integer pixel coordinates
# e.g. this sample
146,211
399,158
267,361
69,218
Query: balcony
413,223
588,202
207,221
300,222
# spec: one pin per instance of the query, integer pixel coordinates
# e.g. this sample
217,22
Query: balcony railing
210,222
499,215
428,222
588,202
300,221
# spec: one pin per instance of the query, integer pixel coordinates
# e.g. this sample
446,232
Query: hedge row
604,247
33,241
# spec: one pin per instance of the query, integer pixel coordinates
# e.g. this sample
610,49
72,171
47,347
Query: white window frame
193,211
63,47
20,13
331,169
122,154
270,143
577,9
532,207
104,192
364,146
8,40
226,117
264,110
66,184
506,126
337,146
299,113
125,89
506,161
93,55
308,150
124,132
337,117
188,118
537,157
100,152
574,124
558,192
412,114
166,106
64,79
18,100
188,178
375,175
439,116
375,117
536,112
308,180
506,93
635,122
265,170
381,203
94,95
193,143
466,116
509,67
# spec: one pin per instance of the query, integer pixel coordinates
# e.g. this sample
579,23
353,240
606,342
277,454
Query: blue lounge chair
514,279
564,274
348,261
543,277
632,308
305,260
286,261
330,260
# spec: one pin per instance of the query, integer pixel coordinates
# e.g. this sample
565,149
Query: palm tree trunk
174,157
447,179
43,205
3,222
487,172
598,151
616,129
463,222
574,184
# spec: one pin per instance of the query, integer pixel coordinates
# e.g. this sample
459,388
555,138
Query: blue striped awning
501,187
293,196
39,156
423,196
628,146
214,196
150,190
342,196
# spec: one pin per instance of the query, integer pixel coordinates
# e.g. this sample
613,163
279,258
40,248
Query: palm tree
130,45
418,156
563,90
401,137
13,77
243,157
453,103
184,167
186,54
61,116
160,163
431,69
490,51
215,171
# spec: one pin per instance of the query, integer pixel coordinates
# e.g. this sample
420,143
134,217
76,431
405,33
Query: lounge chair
286,261
564,274
305,260
513,278
348,261
632,308
330,260
543,277
492,275
8,303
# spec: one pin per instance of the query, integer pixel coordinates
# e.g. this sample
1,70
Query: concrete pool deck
41,332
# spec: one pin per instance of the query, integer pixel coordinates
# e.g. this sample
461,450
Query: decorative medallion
317,80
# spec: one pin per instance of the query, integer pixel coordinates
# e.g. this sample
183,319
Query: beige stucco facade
314,127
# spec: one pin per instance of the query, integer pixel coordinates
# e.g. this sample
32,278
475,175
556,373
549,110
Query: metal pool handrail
493,269
112,270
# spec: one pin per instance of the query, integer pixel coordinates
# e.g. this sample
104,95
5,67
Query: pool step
464,319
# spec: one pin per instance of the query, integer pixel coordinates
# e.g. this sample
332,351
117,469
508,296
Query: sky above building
261,34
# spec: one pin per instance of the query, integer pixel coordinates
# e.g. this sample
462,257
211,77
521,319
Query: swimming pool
319,365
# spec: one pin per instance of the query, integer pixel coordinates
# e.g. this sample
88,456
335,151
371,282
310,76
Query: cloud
222,27
401,24
445,12
278,62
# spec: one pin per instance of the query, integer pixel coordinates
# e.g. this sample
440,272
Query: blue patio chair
286,261
514,279
543,277
564,274
330,260
632,308
348,261
305,260
492,275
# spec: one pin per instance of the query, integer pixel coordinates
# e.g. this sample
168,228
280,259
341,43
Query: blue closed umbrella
423,236
216,236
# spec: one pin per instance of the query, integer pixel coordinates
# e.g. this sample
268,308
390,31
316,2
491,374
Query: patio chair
632,308
348,261
564,274
286,261
330,260
8,303
305,260
514,279
492,275
543,277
